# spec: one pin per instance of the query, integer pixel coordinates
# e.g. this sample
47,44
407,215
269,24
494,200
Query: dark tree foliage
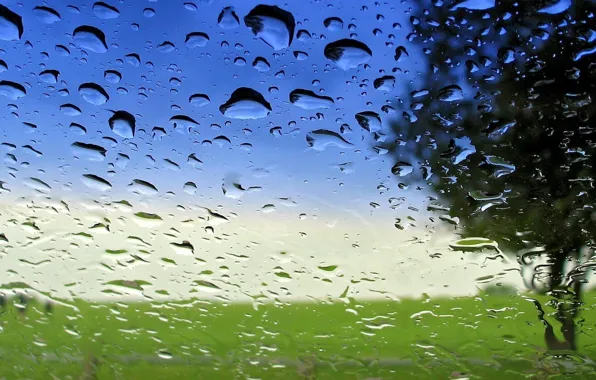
513,159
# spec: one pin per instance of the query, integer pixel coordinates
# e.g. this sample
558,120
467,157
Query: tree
516,161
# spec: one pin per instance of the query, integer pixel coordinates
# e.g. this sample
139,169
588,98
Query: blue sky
293,170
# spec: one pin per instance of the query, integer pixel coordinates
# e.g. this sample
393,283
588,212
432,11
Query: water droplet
96,182
228,19
46,15
199,100
303,35
70,110
37,184
402,169
507,55
271,24
385,83
348,54
90,38
471,66
245,103
196,39
300,55
555,7
183,123
89,151
191,7
123,124
11,25
62,50
93,93
166,47
452,93
112,76
476,5
148,12
320,139
369,120
133,58
77,128
261,64
105,11
49,76
334,24
164,354
190,188
308,100
474,243
12,90
401,54
142,187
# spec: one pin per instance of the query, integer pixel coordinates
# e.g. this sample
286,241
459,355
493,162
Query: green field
484,337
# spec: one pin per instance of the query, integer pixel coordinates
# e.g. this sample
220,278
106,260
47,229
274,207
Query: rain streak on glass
297,190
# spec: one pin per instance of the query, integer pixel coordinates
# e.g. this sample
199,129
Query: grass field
486,337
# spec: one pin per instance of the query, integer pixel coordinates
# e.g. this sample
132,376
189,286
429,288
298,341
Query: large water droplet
70,110
90,38
133,58
228,19
321,138
190,188
93,93
476,5
49,76
245,103
11,25
123,124
105,11
196,39
89,151
96,182
402,169
37,184
183,123
166,47
12,90
112,76
261,64
308,100
554,7
369,120
199,100
385,83
46,15
334,24
142,187
271,24
348,54
452,93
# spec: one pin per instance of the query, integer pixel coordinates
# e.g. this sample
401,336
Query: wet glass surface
301,190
